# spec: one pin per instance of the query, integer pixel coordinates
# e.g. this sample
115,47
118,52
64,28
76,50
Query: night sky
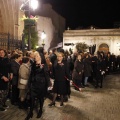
84,13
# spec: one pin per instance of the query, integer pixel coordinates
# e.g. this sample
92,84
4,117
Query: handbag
23,81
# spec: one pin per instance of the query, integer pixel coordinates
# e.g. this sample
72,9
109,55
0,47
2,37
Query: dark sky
101,13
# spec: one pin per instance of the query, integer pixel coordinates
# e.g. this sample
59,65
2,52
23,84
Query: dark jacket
60,73
15,70
78,68
39,80
4,71
87,67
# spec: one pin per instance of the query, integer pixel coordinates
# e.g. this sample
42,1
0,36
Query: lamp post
43,36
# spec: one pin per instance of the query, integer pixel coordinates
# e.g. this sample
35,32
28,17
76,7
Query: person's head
25,60
79,57
18,57
40,50
37,57
2,53
31,54
60,56
54,50
86,55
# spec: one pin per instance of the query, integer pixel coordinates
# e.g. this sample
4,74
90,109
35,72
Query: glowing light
34,4
43,35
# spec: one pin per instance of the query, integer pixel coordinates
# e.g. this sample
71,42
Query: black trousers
15,94
32,103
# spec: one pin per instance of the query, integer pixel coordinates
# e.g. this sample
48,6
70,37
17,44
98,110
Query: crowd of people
26,77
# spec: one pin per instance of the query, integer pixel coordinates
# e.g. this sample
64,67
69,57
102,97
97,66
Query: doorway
104,47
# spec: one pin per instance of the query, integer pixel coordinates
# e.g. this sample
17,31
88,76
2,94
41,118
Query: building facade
56,21
10,15
107,40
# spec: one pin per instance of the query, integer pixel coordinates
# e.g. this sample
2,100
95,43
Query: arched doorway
104,47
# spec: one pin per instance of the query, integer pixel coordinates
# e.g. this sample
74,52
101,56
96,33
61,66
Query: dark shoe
100,86
15,104
22,105
2,109
61,104
52,104
39,114
5,106
30,115
86,85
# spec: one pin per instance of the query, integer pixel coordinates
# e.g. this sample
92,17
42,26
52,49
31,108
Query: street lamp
43,36
34,4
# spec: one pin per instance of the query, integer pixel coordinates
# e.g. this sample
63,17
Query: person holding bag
24,73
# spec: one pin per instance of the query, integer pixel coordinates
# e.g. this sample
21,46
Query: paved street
91,104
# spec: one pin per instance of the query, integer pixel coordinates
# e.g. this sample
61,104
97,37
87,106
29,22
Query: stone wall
10,17
111,37
57,20
45,24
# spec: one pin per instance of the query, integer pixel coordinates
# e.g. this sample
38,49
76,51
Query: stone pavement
91,104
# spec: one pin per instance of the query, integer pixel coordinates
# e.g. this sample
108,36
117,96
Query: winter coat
4,71
15,71
78,70
60,73
24,73
87,67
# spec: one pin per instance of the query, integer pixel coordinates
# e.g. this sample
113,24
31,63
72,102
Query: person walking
39,82
78,72
61,85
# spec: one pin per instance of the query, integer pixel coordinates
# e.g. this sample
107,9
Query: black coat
39,80
4,71
78,67
101,66
87,67
60,73
15,69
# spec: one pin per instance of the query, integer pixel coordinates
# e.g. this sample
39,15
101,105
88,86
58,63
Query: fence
9,42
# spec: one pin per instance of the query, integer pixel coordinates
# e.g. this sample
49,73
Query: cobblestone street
91,104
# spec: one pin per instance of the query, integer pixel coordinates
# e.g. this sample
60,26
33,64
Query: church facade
10,15
107,40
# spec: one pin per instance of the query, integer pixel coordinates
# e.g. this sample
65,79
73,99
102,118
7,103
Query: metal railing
9,42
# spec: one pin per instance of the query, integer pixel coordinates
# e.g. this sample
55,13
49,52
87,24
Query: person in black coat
53,56
78,72
101,68
87,69
61,85
39,82
108,61
5,76
15,69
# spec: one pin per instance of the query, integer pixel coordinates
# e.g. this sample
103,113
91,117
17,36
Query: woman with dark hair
15,65
61,85
78,71
24,73
87,69
101,67
5,71
39,82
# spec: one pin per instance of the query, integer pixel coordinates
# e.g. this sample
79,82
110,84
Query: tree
81,47
34,36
